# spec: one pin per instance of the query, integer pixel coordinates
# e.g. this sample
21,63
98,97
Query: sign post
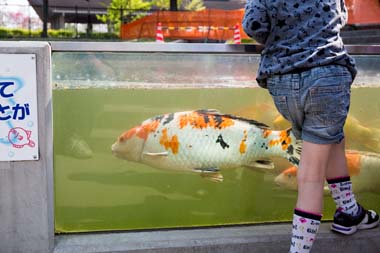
26,148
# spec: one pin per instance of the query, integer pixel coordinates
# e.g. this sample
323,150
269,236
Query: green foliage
61,33
248,41
131,10
126,10
194,5
164,4
6,33
18,33
3,33
188,5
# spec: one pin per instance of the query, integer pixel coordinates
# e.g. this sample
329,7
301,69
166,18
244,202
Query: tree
194,5
129,10
188,5
124,11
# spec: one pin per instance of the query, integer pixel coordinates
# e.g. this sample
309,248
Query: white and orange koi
205,141
363,168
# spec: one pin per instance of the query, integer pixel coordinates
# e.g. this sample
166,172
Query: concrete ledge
242,239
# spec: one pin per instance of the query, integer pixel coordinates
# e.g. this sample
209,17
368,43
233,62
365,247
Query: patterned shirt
297,34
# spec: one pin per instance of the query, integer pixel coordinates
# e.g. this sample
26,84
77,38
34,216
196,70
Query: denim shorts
315,102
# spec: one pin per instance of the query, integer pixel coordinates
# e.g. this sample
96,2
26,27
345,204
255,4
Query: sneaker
348,224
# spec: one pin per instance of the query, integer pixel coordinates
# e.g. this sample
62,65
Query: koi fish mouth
125,152
115,151
277,181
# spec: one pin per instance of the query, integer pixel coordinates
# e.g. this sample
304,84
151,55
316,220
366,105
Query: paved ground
242,239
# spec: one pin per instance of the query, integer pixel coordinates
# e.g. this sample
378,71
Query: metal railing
183,47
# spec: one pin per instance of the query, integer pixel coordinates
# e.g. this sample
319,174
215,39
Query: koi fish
363,168
206,142
263,112
357,135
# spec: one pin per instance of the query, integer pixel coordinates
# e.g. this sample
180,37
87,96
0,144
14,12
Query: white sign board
18,107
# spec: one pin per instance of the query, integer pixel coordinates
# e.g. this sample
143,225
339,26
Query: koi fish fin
156,154
212,174
214,177
206,170
265,164
209,111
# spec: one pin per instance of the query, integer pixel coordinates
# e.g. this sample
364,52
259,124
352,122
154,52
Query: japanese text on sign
18,108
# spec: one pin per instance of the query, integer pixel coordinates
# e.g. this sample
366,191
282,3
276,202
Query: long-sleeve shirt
297,34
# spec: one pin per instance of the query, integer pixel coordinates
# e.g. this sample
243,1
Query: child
308,73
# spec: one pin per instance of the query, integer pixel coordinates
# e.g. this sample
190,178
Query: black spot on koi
294,160
218,119
290,150
223,144
158,118
168,119
206,118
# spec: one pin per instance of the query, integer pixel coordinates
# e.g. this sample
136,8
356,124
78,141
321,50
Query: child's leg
310,177
337,166
339,182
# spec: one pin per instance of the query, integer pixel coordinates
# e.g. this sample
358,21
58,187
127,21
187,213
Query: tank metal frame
183,48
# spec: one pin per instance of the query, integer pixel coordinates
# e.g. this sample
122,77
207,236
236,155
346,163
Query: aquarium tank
99,94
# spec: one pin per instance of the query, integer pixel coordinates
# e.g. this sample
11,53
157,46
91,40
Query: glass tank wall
99,95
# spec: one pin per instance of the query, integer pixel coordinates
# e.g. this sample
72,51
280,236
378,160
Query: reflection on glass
99,96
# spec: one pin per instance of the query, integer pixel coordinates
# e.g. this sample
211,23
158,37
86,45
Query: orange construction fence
215,24
363,12
206,24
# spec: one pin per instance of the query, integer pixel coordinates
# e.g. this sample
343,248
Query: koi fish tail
293,151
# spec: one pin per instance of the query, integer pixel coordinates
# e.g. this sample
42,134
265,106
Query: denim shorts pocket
329,104
282,106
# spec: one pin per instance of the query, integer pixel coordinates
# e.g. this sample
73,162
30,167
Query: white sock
304,232
341,192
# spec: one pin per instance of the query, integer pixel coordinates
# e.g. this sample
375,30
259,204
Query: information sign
18,107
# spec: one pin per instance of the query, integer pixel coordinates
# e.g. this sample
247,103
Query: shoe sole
353,229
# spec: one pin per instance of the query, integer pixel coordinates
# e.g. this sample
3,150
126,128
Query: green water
94,191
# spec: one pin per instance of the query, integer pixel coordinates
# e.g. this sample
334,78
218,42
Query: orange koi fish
205,141
363,168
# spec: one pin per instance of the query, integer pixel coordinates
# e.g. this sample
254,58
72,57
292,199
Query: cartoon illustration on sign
19,137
